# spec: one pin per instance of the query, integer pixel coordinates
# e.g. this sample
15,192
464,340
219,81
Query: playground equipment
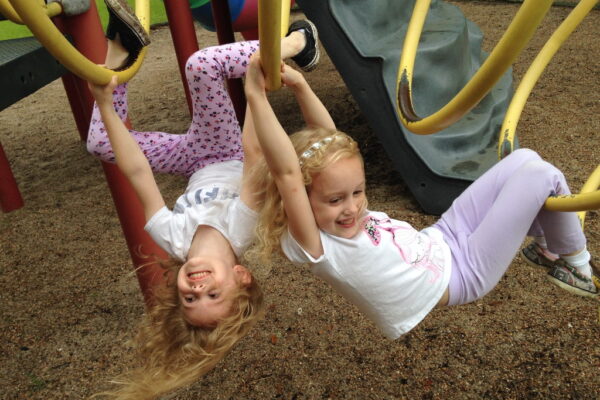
86,34
37,19
364,44
506,51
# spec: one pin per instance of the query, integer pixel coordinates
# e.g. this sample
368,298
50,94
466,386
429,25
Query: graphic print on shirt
412,246
203,196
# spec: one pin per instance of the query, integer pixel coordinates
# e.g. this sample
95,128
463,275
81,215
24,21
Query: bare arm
313,111
252,153
283,162
130,158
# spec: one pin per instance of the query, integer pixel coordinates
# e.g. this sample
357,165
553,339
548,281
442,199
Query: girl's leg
214,134
157,146
486,225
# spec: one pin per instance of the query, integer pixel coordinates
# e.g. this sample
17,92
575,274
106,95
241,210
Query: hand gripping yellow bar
37,20
273,20
509,47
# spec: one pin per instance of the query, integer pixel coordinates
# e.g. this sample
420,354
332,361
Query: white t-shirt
393,273
211,198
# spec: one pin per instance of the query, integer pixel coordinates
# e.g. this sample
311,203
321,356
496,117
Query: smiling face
207,288
337,197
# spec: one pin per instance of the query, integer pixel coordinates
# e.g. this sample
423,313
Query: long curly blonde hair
331,146
171,352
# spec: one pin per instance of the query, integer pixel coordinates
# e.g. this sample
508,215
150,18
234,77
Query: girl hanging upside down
210,300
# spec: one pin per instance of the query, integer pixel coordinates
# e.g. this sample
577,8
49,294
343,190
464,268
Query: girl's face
207,287
337,197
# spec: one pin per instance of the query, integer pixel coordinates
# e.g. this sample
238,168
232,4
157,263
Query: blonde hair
317,148
171,352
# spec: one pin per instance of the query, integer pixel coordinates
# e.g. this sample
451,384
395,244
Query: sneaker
122,20
536,256
309,57
569,278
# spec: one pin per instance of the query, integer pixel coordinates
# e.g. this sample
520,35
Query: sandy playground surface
70,302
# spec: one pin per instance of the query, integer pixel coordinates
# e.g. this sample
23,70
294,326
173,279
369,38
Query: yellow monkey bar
507,133
38,21
6,9
509,47
273,19
589,197
506,51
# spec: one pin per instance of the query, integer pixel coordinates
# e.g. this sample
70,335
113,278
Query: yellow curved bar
587,199
593,183
509,47
6,9
269,33
36,19
509,126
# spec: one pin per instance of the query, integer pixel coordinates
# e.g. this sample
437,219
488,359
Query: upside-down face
207,288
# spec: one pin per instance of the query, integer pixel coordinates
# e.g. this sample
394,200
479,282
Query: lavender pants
485,226
214,134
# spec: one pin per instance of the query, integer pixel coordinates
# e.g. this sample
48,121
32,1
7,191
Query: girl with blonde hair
315,211
209,300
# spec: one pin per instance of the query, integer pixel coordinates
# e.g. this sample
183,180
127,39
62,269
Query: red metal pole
88,37
10,196
181,24
222,19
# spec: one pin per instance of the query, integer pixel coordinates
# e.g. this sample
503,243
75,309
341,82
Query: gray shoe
569,278
72,7
535,256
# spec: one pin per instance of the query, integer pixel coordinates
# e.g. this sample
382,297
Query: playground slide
364,40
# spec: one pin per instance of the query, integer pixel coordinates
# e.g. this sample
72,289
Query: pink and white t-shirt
393,273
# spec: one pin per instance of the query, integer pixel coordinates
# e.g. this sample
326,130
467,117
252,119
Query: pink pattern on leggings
214,134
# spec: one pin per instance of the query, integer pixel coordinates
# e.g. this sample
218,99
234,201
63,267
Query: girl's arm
283,162
314,112
252,153
130,158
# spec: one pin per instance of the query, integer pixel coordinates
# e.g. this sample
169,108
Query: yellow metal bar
285,17
6,9
591,185
53,9
509,47
37,20
574,202
269,33
9,12
513,114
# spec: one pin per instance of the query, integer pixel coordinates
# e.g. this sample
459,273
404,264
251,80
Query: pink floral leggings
214,134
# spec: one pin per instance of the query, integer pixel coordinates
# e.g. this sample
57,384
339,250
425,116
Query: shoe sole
133,23
571,289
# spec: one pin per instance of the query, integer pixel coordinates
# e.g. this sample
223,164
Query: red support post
181,24
10,196
89,39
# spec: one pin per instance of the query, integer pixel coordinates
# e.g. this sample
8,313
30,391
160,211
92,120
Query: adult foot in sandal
308,58
125,26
